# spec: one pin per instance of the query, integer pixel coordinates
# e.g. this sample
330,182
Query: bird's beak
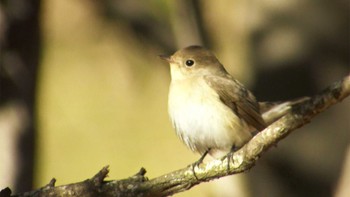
166,58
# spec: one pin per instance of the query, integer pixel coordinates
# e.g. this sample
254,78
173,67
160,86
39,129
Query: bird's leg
197,163
229,156
200,160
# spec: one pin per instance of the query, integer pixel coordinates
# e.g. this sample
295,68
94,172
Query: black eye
189,62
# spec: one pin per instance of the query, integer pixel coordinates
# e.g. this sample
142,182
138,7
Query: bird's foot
229,157
197,163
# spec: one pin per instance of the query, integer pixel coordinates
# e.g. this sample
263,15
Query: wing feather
240,100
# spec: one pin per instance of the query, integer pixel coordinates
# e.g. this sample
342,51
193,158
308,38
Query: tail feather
271,111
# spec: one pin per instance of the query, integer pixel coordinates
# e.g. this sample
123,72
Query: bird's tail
271,111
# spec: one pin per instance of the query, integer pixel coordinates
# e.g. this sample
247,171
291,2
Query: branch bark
300,114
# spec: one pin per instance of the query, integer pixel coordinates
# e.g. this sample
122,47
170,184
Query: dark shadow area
20,47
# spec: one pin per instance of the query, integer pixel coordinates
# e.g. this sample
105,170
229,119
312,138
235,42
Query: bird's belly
203,122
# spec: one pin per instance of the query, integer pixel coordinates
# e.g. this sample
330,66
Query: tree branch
300,114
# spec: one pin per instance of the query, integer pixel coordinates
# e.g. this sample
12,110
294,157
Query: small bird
210,110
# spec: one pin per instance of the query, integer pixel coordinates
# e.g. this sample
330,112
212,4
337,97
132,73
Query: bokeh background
81,87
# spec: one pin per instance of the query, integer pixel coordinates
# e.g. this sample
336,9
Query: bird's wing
234,95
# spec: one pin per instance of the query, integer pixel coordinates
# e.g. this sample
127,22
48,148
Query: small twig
142,172
51,183
97,180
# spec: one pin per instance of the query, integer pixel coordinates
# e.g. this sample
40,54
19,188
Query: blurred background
81,87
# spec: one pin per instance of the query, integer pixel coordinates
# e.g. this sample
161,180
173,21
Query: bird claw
229,157
194,165
197,163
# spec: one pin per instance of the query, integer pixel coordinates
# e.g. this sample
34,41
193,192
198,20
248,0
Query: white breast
201,120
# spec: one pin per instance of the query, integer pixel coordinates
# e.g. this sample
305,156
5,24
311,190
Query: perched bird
210,110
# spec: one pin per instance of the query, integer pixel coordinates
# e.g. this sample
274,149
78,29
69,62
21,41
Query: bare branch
301,113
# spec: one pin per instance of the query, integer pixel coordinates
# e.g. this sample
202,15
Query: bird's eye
189,63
